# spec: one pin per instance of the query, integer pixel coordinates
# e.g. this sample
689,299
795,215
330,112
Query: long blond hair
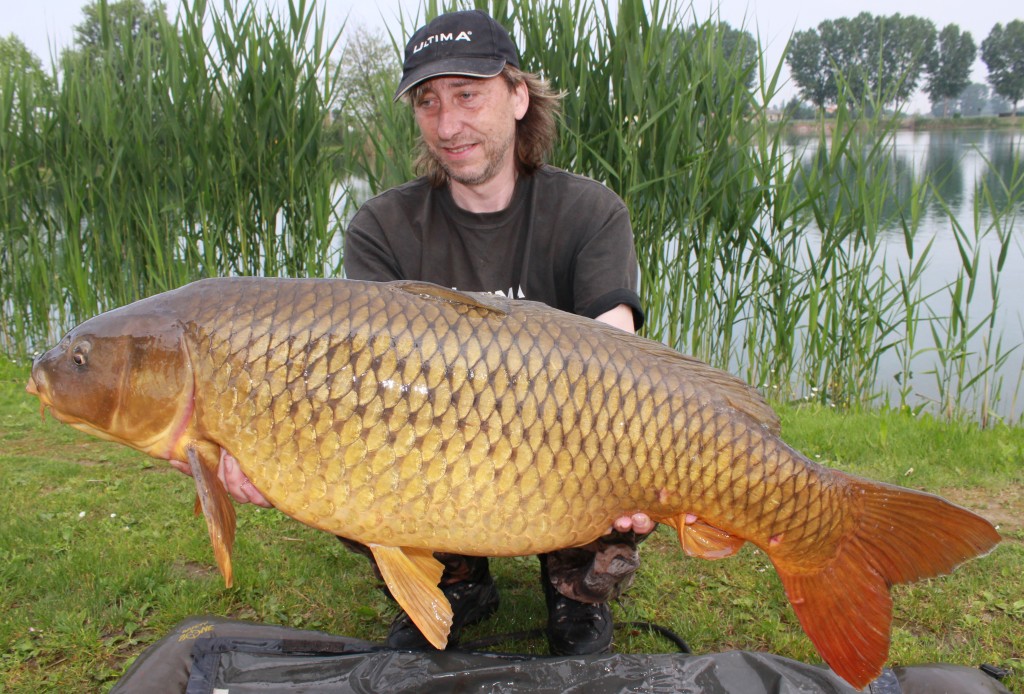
536,131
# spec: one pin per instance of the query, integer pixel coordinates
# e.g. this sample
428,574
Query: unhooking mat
211,655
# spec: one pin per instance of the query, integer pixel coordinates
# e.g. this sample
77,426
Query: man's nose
449,122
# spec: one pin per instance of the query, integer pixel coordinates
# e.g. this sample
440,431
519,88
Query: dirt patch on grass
193,569
77,449
1003,507
83,451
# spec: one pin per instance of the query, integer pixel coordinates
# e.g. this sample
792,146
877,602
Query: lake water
964,166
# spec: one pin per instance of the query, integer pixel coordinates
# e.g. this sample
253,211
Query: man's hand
234,480
639,523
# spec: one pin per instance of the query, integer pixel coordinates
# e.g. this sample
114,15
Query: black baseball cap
466,43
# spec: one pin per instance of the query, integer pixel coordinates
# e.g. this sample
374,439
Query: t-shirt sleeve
606,272
368,255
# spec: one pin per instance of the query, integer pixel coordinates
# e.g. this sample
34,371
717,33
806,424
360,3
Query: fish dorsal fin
412,576
700,539
476,300
215,503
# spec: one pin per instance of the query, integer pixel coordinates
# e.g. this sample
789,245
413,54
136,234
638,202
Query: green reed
158,160
965,378
208,154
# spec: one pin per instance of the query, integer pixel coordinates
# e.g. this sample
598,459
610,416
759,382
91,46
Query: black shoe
578,628
574,627
472,602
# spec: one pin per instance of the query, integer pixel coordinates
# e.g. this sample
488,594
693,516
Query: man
489,215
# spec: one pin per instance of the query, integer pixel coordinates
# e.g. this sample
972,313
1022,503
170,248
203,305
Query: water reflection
971,215
1003,177
957,163
943,166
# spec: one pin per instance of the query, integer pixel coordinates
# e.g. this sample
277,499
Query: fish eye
79,355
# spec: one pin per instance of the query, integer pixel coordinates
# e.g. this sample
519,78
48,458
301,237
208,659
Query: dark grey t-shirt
564,240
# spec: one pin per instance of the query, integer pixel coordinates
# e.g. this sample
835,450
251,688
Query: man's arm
621,317
367,255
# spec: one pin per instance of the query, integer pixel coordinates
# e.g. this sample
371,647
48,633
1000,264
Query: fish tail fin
898,536
217,508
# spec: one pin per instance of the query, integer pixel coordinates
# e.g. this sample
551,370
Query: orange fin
703,540
217,507
899,536
412,576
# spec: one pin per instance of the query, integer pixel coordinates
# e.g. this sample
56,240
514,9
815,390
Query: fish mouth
33,389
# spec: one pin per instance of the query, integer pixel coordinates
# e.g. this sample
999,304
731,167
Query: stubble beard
496,155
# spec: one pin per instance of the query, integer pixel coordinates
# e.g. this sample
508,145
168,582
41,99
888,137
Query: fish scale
414,418
455,369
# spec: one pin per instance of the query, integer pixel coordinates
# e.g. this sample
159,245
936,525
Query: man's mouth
460,149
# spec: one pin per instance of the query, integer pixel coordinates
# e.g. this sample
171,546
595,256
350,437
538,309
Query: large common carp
413,418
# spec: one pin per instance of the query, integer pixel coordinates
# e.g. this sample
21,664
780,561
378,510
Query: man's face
469,125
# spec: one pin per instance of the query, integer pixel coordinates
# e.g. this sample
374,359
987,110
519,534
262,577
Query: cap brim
465,67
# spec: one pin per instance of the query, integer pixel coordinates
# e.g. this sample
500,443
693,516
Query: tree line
883,60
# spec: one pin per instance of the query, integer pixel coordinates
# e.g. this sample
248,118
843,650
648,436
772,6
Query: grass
100,556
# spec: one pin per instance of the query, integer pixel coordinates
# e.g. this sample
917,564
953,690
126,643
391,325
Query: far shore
918,122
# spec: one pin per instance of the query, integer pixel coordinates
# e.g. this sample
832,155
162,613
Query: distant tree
15,57
20,69
974,99
905,45
134,16
740,50
367,73
734,50
852,46
1003,54
795,109
810,67
949,68
731,54
861,57
108,27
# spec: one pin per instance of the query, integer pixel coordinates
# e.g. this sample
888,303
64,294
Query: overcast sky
44,24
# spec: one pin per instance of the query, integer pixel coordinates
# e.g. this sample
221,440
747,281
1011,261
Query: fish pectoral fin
215,503
703,540
412,576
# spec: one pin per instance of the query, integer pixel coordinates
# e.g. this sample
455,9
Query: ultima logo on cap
438,38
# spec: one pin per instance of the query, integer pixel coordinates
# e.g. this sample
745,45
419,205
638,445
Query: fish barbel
413,419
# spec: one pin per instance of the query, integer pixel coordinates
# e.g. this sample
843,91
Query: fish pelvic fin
703,540
215,503
412,576
899,536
